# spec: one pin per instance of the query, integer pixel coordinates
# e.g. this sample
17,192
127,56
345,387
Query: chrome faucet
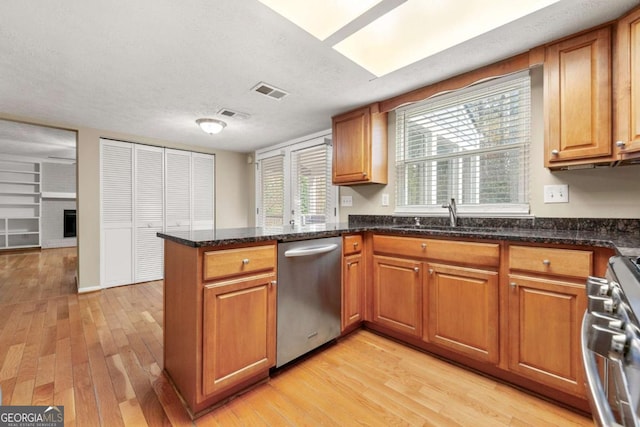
453,213
416,221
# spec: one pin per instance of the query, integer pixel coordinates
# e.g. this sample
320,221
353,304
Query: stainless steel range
611,343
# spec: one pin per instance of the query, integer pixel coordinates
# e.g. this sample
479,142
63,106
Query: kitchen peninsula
221,289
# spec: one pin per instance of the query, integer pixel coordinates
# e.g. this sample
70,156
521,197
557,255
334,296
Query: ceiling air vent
270,91
225,112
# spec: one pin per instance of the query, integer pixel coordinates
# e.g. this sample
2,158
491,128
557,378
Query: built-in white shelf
54,195
20,206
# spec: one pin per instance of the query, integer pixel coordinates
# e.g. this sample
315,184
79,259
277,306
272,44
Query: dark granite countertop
621,235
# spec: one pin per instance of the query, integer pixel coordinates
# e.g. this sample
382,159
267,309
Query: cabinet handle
423,246
620,144
513,285
554,152
546,262
245,261
416,269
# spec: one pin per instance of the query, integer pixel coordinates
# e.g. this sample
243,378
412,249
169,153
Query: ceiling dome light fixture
211,126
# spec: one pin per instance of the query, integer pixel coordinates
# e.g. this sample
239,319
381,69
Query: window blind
272,190
472,145
312,195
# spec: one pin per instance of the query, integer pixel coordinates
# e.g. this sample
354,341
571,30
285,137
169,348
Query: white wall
593,193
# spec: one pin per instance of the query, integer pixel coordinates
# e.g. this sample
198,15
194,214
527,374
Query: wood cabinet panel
412,247
238,331
352,290
578,99
485,254
627,85
463,311
397,294
230,262
544,331
352,244
560,262
360,147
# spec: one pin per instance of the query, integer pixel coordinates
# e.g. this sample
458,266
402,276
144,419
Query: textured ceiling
152,67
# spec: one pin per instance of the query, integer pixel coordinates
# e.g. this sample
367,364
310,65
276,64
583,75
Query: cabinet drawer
230,262
443,250
464,252
561,262
407,246
352,244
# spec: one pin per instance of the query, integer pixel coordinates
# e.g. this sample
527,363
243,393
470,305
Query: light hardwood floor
100,355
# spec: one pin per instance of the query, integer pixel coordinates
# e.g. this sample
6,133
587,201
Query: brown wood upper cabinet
577,93
360,147
627,86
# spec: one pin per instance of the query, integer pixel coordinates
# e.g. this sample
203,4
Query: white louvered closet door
116,186
177,190
203,187
149,212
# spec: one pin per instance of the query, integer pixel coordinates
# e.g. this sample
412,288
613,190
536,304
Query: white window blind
312,198
471,145
271,210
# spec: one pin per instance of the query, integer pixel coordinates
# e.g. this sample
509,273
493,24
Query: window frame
286,150
482,210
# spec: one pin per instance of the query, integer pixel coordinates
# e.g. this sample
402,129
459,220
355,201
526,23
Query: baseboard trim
89,289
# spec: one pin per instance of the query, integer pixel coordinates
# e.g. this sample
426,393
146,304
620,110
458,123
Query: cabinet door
352,290
351,147
203,190
397,294
149,212
462,305
578,99
238,331
116,186
544,331
178,190
627,120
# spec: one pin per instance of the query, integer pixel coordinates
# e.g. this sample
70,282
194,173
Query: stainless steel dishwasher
308,296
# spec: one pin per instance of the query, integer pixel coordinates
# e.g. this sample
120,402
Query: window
294,184
471,145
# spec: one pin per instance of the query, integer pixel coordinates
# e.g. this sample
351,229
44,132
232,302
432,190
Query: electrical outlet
385,199
556,193
346,201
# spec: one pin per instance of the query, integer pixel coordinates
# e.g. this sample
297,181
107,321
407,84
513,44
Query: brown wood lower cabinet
238,331
544,331
463,311
352,291
219,320
397,294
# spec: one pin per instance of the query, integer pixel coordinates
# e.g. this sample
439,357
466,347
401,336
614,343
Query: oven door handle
600,408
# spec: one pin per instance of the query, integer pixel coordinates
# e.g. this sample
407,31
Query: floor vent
270,91
225,112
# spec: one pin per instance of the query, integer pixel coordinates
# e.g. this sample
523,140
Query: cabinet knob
554,152
245,261
431,271
513,284
273,283
546,262
355,244
349,264
423,246
620,144
416,269
364,174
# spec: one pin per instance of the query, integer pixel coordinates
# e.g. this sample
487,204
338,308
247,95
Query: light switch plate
346,201
556,193
385,199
